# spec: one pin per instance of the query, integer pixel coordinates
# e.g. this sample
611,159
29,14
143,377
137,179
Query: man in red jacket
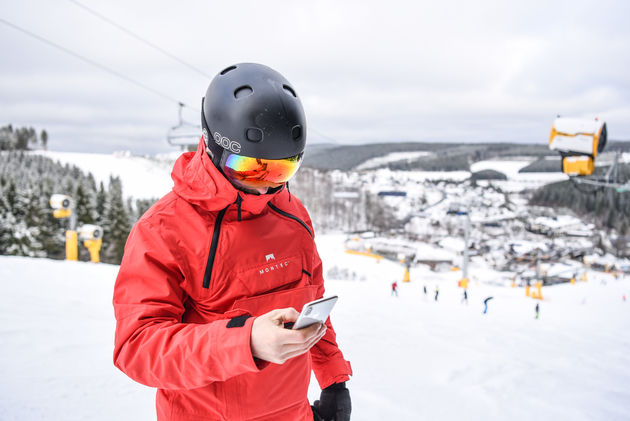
215,268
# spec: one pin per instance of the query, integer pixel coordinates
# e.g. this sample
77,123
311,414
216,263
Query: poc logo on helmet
224,142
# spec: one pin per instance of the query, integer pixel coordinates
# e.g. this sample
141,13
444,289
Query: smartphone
315,312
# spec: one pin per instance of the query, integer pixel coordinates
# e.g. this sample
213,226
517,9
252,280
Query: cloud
366,71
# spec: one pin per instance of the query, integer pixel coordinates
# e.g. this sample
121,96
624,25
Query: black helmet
252,110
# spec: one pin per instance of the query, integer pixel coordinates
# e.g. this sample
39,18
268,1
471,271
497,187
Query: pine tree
52,232
8,138
623,227
101,204
143,205
84,205
33,139
6,219
116,225
21,240
44,137
34,220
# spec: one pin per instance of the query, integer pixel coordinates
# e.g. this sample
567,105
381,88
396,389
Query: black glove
333,404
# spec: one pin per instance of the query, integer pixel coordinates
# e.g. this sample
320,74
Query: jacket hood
200,183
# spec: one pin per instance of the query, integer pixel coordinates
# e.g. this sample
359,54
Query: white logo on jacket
271,268
270,257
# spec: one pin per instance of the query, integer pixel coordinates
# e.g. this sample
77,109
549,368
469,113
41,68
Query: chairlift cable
141,39
121,75
324,136
165,52
93,63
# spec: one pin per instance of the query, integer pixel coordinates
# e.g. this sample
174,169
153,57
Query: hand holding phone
314,312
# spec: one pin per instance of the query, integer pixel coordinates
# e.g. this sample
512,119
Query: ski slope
407,157
517,181
413,358
142,177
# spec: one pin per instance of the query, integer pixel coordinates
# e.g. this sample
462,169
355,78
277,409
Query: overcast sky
366,71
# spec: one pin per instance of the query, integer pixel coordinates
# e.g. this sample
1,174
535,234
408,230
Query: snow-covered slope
413,358
408,156
517,181
142,178
508,167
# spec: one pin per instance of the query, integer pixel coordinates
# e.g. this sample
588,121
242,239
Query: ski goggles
257,173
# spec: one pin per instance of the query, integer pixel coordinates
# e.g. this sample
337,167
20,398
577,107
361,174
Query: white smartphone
315,312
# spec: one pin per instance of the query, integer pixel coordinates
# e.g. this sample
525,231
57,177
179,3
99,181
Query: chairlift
183,134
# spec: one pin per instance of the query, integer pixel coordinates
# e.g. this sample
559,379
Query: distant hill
442,157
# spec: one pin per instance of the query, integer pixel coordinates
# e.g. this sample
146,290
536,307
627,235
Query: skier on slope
437,292
395,288
485,304
215,268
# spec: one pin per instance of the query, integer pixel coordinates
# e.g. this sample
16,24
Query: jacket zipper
213,247
207,277
288,215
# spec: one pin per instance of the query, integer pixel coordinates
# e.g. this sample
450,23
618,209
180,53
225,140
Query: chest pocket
279,283
274,275
261,304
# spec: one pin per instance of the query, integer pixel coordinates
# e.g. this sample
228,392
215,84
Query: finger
310,331
288,314
308,345
301,336
291,350
294,353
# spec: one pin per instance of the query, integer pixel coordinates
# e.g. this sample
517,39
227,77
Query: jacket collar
200,183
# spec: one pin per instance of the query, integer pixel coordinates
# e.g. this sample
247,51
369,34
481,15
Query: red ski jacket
200,261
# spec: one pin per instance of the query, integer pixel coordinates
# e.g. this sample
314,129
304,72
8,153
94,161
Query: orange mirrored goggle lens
257,172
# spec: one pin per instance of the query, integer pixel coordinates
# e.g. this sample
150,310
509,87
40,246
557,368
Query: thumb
285,315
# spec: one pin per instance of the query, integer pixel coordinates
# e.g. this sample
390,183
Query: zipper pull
238,202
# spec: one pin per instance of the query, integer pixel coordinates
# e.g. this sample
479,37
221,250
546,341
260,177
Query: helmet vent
296,132
254,134
227,69
243,91
289,90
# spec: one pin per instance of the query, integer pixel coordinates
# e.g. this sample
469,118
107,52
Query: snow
384,177
575,135
57,329
574,126
413,358
516,181
142,177
509,168
391,158
428,252
560,221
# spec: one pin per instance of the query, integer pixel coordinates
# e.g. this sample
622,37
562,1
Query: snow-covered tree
116,224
